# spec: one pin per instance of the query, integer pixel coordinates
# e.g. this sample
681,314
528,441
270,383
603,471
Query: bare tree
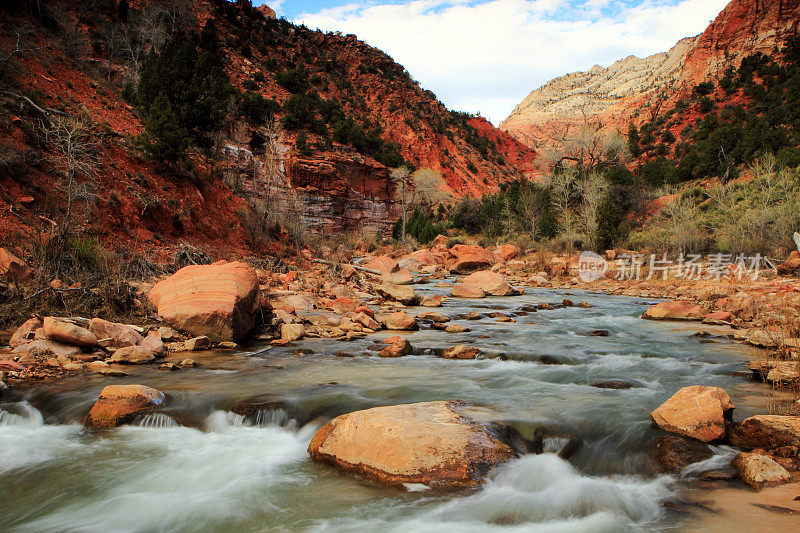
73,152
145,30
430,188
563,185
534,205
581,142
19,47
401,176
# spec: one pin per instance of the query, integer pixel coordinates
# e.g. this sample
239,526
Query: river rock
675,311
760,471
133,355
456,328
218,301
120,404
383,264
41,348
506,252
434,317
25,332
400,321
398,348
698,412
293,332
153,342
399,293
431,301
462,290
462,351
400,276
197,344
469,257
491,283
674,452
432,443
115,335
766,432
366,321
68,333
718,318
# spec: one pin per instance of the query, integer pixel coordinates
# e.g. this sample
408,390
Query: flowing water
199,467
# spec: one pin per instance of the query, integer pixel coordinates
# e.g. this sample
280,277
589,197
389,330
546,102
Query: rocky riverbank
223,304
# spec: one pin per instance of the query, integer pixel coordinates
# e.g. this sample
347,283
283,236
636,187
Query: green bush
419,226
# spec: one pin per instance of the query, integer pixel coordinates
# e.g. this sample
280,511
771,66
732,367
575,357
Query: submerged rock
674,452
120,404
697,412
217,301
436,444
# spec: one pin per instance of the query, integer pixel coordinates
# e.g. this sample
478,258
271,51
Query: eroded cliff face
635,90
339,195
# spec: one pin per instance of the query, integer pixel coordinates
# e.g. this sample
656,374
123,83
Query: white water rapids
234,473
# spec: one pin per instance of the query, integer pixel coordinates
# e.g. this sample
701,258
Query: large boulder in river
491,283
766,432
675,311
698,412
120,404
468,258
433,443
218,301
462,290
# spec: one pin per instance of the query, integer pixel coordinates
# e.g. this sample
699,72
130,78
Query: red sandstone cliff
65,63
634,90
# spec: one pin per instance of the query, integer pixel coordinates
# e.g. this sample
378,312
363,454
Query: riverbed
200,467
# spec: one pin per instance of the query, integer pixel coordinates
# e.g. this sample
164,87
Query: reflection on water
251,473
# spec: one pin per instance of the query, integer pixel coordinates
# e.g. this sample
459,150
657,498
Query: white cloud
488,55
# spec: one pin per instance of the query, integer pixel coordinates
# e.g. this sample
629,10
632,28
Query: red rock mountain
636,90
67,57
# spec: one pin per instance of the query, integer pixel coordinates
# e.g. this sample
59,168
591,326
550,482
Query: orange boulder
218,301
432,443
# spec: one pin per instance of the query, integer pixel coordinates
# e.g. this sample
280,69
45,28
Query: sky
487,55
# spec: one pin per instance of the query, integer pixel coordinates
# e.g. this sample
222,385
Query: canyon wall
636,90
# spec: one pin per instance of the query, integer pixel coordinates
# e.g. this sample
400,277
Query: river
213,470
